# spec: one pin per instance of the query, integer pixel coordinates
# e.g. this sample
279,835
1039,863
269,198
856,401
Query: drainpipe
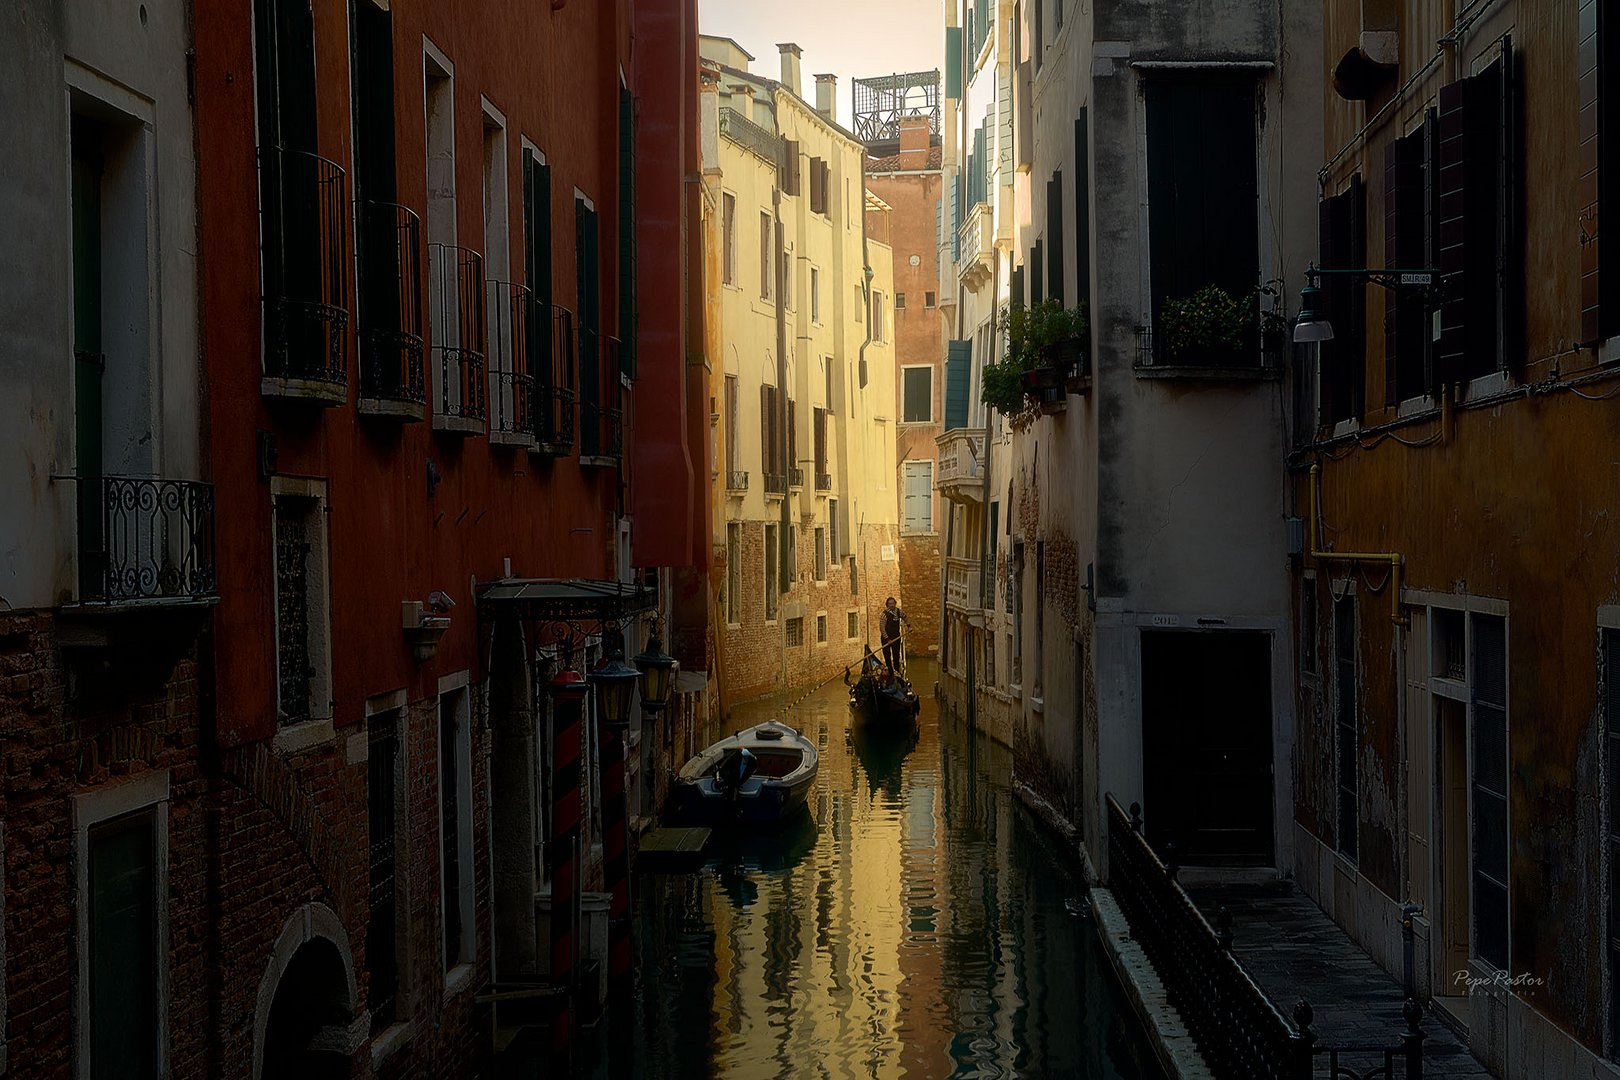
784,527
860,373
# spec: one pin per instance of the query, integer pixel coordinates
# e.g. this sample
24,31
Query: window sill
1486,386
389,1041
1206,373
1037,703
1609,351
305,735
458,979
1345,428
1413,407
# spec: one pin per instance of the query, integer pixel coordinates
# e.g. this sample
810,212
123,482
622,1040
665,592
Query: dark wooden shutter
1392,258
1037,291
1405,247
826,187
627,233
790,167
818,187
792,434
1054,238
1451,233
1082,212
1482,237
1342,236
1510,275
1589,156
1015,288
958,383
953,61
821,441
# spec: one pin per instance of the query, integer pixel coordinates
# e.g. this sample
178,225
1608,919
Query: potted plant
1213,321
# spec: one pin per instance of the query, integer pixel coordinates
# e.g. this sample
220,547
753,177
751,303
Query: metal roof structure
881,102
565,599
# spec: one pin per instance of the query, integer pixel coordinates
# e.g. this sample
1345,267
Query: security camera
440,601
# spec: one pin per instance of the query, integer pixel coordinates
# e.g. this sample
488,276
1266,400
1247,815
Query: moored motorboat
758,776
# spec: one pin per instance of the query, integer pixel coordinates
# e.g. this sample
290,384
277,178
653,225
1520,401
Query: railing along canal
1239,1031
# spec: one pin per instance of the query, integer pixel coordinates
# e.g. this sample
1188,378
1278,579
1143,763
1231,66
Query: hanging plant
1212,320
1045,343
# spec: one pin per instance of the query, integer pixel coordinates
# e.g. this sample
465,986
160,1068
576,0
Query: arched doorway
307,1037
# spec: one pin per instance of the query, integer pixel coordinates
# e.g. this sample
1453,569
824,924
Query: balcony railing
961,464
1257,358
390,259
511,356
978,244
304,274
601,415
557,370
776,483
736,479
962,584
456,291
795,478
145,539
823,481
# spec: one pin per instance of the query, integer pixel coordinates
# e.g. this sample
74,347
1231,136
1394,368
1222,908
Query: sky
850,38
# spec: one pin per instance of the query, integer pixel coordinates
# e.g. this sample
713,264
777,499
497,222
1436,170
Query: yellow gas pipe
1392,558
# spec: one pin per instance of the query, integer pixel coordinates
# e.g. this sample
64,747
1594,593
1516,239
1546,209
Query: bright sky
853,39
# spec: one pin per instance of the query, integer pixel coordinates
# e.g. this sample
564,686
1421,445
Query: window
384,928
1203,201
990,658
832,530
899,301
728,233
821,554
731,434
299,528
1347,724
771,449
767,264
455,825
823,475
787,278
878,323
1408,240
917,395
120,927
1307,626
551,369
627,233
1609,686
827,371
1449,643
1341,223
772,585
504,339
734,574
593,432
821,629
1477,177
815,294
1055,286
795,633
854,630
1488,805
917,514
929,300
820,182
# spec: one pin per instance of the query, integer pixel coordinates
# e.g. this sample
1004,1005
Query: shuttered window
1342,236
917,500
791,431
958,383
1037,291
728,240
627,233
1054,239
1488,807
1203,200
769,453
790,167
767,264
917,395
1406,246
1479,249
1346,725
819,419
818,188
1082,211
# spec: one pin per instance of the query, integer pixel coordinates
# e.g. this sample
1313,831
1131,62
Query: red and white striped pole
568,691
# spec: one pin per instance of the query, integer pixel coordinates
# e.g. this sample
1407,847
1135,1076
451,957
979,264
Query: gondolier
891,625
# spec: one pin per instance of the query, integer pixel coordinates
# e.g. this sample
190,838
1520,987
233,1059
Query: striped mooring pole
568,691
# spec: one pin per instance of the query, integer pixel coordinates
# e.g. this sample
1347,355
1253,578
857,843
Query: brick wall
921,567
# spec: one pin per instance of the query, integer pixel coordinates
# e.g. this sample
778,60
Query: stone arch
305,1024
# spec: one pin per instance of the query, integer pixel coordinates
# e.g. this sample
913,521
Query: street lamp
615,683
657,669
1312,323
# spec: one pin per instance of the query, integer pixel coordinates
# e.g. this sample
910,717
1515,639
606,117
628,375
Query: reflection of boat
882,751
882,696
765,851
757,776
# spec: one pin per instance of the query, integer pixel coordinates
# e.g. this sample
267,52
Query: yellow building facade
799,298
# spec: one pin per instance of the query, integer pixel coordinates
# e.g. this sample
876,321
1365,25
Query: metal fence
153,539
304,265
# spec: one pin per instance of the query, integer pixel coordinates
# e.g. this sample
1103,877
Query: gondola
883,697
759,776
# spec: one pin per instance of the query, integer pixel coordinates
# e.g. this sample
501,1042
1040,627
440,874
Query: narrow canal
916,923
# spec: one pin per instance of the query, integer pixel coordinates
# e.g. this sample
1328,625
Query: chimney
827,95
915,135
790,66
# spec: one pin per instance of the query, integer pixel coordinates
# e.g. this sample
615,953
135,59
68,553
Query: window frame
316,727
148,793
905,409
728,239
458,687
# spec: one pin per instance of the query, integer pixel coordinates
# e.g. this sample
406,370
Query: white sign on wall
888,553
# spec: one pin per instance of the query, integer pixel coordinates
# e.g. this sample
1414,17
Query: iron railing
152,540
557,374
795,477
1239,1031
511,356
776,483
737,480
456,288
390,259
304,271
823,481
601,414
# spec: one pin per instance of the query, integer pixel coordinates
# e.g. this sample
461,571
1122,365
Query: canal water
916,922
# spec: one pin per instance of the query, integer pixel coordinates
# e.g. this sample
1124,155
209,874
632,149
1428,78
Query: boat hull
785,770
895,705
701,802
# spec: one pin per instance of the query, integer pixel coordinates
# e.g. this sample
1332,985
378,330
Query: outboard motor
735,770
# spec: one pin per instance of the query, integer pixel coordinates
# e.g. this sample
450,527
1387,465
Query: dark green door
123,950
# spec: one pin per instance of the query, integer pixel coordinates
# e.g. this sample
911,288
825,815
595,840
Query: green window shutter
953,61
627,233
958,391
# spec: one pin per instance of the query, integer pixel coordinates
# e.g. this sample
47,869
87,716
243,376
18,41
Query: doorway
1207,746
1451,916
306,1037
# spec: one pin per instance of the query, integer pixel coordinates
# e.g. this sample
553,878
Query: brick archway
313,963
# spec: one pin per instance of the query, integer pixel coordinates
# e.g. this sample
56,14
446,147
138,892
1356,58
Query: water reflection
913,923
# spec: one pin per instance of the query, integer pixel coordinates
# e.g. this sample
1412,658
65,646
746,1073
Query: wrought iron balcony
737,480
392,380
145,540
823,481
776,483
601,415
456,292
556,368
511,356
795,478
304,275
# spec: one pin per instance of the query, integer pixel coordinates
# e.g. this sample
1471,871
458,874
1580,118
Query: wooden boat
881,696
758,776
